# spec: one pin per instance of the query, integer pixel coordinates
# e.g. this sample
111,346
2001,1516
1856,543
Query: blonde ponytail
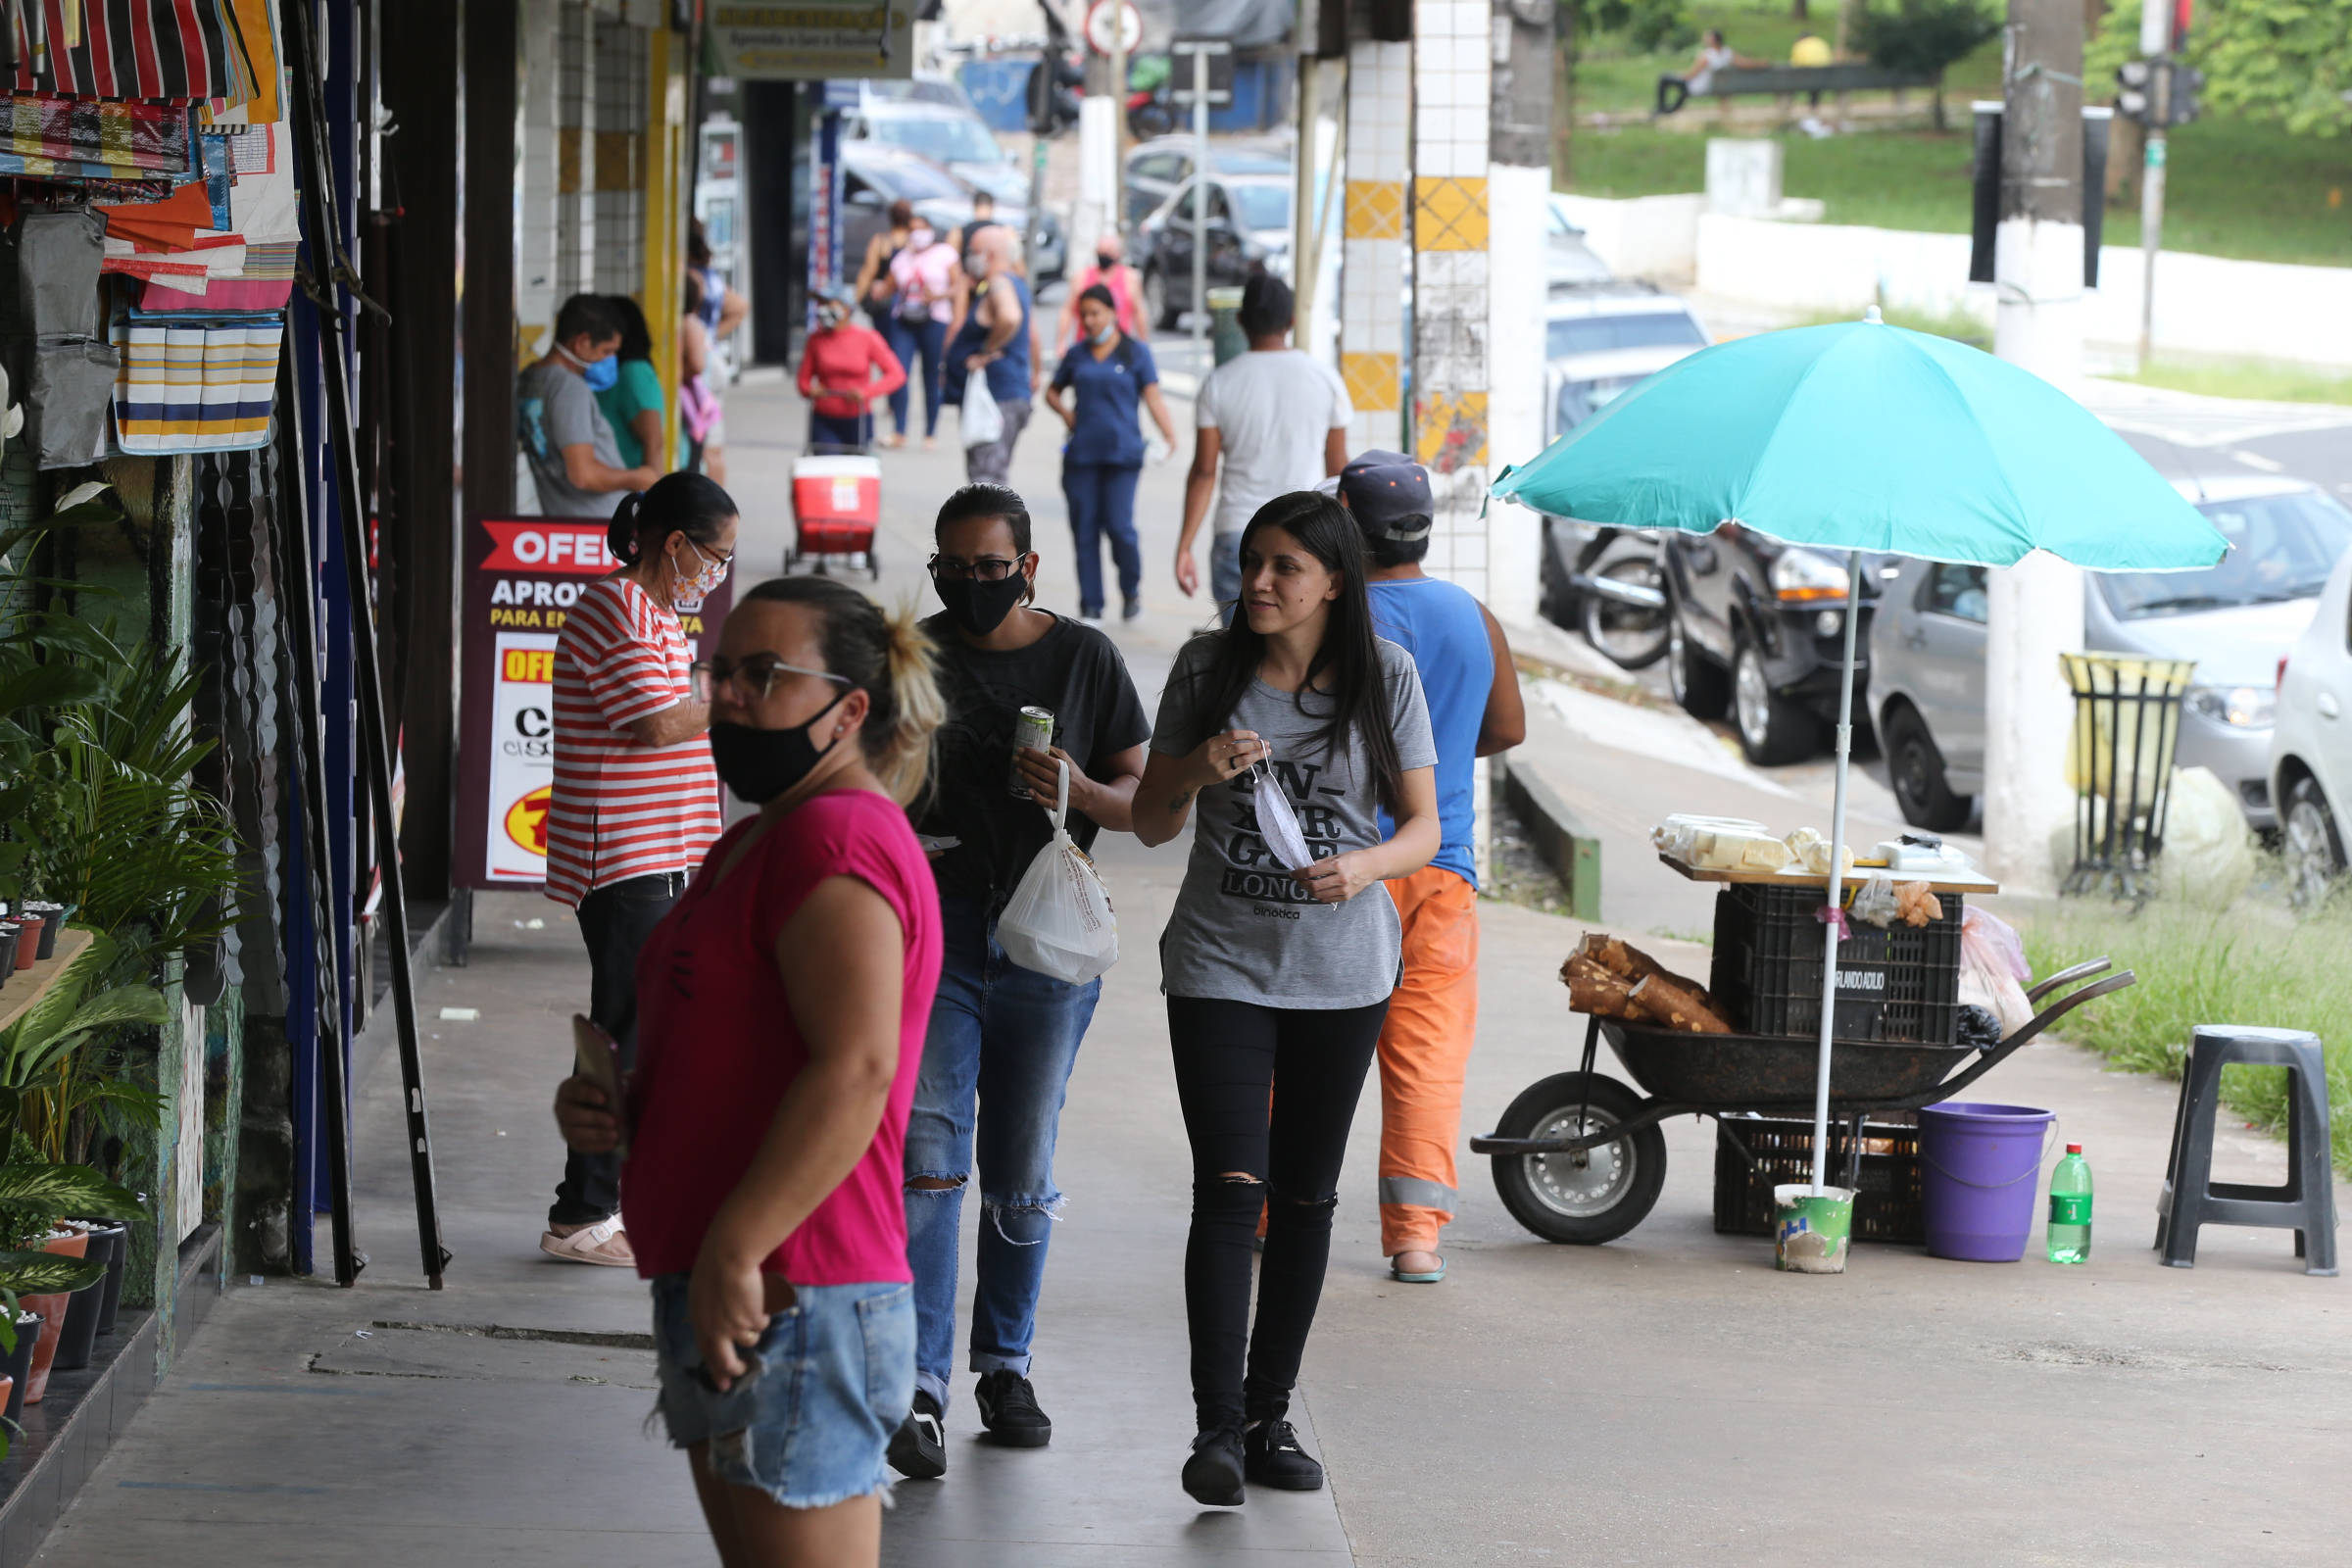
903,760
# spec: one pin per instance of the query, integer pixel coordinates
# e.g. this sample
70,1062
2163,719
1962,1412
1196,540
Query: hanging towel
158,51
200,386
59,138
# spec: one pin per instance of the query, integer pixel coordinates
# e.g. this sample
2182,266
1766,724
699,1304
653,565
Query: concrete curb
1561,839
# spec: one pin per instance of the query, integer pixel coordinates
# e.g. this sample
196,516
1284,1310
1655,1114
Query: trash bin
2119,762
1225,339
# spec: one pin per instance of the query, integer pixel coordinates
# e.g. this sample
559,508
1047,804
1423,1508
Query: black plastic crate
1898,984
1886,1190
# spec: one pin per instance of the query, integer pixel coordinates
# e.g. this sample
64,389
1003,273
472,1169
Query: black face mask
1105,261
760,765
980,607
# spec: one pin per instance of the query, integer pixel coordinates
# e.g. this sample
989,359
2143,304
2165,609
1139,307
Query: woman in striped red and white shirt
635,803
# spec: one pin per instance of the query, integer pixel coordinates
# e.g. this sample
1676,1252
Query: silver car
2236,620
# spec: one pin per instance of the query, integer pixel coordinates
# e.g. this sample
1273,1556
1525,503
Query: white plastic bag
2208,857
981,421
1993,963
1059,922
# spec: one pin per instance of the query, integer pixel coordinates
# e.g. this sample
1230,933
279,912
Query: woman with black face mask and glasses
1002,1038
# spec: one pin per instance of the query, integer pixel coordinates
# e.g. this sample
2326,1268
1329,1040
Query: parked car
2311,744
2236,620
873,175
1757,628
960,142
923,87
1248,218
1600,340
1567,260
1155,168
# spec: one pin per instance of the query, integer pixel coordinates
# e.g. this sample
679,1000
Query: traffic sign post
1101,18
1212,58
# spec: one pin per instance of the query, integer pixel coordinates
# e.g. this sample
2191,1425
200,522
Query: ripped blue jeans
996,1065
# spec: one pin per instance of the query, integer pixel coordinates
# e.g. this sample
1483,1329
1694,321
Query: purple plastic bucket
1977,1166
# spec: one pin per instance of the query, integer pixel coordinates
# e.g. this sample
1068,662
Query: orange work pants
1424,1054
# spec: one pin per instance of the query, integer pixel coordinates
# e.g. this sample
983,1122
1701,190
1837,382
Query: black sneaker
1213,1473
1271,1457
918,1449
1009,1410
1130,609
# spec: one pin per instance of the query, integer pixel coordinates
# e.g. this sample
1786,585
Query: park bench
1788,81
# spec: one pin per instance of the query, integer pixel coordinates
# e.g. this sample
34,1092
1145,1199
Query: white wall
1649,236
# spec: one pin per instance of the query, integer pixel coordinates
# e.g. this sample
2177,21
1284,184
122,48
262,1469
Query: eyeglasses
987,568
726,558
752,680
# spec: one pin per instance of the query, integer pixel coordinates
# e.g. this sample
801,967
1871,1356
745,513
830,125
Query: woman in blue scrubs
1096,392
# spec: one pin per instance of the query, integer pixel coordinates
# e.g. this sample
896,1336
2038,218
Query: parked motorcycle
1609,584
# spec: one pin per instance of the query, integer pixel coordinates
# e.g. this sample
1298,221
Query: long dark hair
636,336
1356,687
678,502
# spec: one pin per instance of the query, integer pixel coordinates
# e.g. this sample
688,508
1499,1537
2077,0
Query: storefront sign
809,40
522,577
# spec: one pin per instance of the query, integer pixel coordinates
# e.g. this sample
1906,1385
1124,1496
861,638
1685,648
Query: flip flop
1430,1277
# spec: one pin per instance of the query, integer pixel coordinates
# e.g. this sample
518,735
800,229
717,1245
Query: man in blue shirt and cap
1475,712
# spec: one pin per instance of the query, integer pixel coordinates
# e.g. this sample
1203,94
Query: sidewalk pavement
1666,1398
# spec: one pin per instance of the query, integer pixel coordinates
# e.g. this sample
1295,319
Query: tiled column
1451,85
1372,256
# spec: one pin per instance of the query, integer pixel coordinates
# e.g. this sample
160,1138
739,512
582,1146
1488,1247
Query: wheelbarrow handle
2060,1009
2081,972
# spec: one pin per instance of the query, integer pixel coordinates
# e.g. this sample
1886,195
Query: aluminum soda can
1033,728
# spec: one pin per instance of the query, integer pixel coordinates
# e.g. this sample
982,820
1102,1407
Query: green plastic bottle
2069,1208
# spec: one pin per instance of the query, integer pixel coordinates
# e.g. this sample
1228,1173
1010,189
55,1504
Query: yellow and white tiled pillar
1451,88
1379,89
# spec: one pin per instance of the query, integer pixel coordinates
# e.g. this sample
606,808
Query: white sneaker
1095,621
604,1243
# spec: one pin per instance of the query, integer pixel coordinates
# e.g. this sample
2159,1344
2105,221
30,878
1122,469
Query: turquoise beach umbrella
1863,436
1857,437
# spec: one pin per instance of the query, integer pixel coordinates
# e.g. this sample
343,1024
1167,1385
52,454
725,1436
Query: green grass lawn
2249,378
2233,189
2252,967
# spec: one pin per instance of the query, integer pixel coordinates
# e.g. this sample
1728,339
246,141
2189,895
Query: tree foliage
1923,35
1650,26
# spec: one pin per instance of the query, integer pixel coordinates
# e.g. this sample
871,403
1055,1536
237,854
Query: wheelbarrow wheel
1589,1197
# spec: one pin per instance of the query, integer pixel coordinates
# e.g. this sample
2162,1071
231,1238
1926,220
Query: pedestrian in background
785,1001
575,457
925,282
1472,691
1002,1038
633,405
1113,274
998,336
1271,421
702,416
1277,967
1105,377
845,369
635,800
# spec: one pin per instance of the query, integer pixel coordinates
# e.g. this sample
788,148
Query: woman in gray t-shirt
1290,729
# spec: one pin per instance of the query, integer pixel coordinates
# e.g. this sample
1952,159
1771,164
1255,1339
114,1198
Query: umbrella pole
1829,935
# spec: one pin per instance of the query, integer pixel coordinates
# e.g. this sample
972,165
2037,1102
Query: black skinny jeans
1228,1056
614,921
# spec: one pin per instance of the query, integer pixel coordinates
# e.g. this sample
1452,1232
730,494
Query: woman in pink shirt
783,1003
925,271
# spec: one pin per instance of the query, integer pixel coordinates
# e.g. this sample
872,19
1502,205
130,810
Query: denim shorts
828,1383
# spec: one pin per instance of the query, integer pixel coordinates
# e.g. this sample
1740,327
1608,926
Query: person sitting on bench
1713,55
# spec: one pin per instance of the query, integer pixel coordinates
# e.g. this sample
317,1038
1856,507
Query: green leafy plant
61,1094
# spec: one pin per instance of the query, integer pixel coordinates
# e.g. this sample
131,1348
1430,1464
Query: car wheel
2314,854
1916,768
1628,636
1700,687
1155,301
1772,729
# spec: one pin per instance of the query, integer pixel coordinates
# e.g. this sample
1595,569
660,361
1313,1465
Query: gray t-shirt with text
554,409
1243,929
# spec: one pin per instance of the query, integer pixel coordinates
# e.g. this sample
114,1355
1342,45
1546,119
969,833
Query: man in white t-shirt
1271,421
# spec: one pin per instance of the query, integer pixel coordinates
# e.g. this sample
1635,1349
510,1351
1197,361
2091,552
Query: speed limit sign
1106,15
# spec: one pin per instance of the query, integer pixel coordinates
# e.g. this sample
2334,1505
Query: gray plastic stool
2192,1198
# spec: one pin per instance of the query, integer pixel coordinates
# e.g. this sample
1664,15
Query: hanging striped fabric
202,386
62,139
157,51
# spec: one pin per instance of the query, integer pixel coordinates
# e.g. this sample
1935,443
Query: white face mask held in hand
1277,823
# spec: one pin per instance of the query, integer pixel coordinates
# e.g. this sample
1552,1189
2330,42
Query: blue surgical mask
1101,339
601,374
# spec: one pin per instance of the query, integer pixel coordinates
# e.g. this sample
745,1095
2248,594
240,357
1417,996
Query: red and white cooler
836,502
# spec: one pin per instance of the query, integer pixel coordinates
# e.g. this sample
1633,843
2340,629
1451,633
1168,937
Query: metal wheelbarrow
1579,1157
